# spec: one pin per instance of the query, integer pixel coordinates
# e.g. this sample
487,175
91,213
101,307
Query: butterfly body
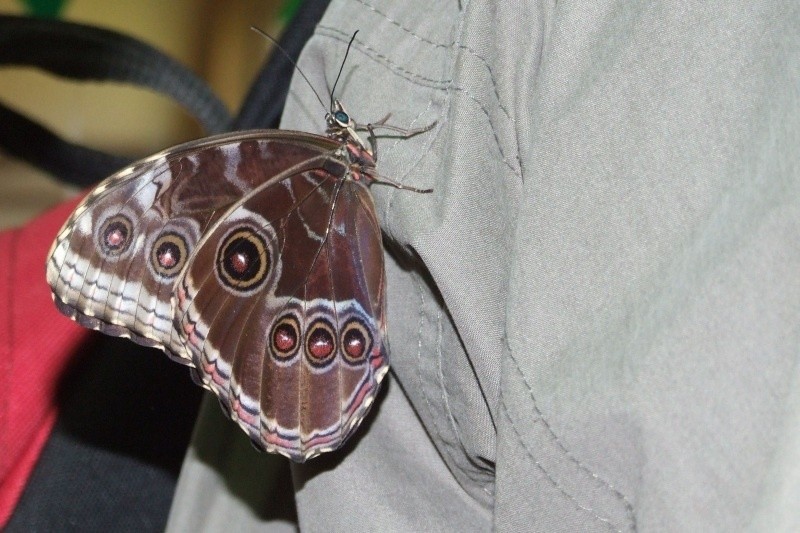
256,259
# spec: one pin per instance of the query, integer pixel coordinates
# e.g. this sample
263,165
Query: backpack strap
86,53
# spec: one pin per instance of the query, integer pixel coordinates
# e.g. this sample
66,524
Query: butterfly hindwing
282,309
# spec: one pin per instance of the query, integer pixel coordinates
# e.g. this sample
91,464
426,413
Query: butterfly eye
285,338
115,236
169,254
320,343
244,260
356,342
342,118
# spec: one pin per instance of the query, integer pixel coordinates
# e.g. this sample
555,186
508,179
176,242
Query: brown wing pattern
255,258
114,264
282,310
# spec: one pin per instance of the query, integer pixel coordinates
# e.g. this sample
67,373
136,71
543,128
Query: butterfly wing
296,355
114,264
282,309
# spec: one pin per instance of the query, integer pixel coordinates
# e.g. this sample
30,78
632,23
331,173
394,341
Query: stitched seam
394,191
420,290
515,170
440,376
367,50
421,386
392,147
396,23
485,62
469,50
555,483
433,84
444,450
615,492
448,85
448,410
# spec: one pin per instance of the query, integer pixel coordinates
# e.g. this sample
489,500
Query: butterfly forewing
114,263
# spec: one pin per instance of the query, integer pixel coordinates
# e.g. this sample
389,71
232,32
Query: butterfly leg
403,132
381,124
373,141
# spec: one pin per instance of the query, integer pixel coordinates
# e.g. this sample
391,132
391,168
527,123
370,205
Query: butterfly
256,259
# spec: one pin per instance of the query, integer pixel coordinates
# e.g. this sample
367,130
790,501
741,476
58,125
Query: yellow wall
212,37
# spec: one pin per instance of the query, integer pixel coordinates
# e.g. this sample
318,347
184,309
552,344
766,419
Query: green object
289,10
44,8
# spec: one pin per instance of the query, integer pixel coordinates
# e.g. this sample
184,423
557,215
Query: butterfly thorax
342,128
361,162
358,156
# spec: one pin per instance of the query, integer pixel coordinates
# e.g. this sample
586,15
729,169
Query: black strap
264,103
38,146
83,52
87,53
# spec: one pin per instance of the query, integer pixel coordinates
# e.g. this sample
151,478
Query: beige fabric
593,319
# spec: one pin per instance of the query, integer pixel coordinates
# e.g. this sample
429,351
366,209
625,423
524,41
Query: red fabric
36,344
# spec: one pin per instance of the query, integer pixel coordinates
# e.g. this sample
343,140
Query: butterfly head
342,127
338,118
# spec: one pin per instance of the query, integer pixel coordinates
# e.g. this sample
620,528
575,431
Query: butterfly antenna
341,68
292,61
